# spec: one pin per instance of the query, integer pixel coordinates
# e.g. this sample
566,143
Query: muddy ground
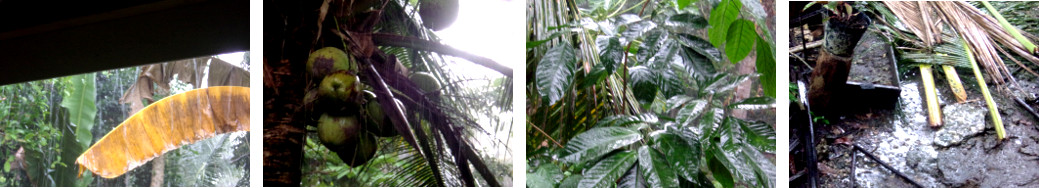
964,152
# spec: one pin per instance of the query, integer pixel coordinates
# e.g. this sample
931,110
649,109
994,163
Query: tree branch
383,39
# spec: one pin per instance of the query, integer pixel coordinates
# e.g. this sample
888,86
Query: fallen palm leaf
954,83
997,121
934,114
166,125
1010,29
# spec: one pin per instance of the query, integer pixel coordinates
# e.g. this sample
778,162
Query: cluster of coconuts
351,117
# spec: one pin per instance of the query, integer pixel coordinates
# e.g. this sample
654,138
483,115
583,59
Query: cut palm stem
954,83
1010,28
934,114
997,121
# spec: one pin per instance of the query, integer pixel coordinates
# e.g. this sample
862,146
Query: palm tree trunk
286,23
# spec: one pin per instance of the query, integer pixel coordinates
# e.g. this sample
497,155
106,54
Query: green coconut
338,131
425,81
328,60
359,152
339,87
438,14
378,123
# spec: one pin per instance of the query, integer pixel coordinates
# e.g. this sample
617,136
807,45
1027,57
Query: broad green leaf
551,172
720,172
690,112
720,19
683,155
711,124
7,164
766,65
632,179
701,46
612,55
538,180
754,103
597,75
687,21
682,3
653,41
81,106
627,120
655,169
636,29
759,135
570,182
763,167
740,40
79,100
724,83
554,72
596,142
606,172
166,125
644,83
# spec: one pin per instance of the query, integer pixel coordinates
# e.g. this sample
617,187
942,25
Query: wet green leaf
554,72
537,180
720,18
701,46
612,55
754,103
683,155
655,169
644,83
763,167
760,135
632,179
652,43
720,172
571,181
606,172
597,142
682,3
766,66
80,102
740,40
687,21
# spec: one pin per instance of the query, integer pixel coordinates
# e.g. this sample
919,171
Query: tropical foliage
645,94
55,120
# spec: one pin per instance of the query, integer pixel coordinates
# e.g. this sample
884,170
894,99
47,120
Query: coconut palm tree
388,39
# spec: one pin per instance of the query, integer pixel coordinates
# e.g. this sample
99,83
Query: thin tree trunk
158,170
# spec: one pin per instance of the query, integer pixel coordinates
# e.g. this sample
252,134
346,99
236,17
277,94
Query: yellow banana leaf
165,125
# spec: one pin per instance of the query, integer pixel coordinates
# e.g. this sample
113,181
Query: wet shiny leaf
683,155
655,169
554,72
644,83
597,142
766,66
606,172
